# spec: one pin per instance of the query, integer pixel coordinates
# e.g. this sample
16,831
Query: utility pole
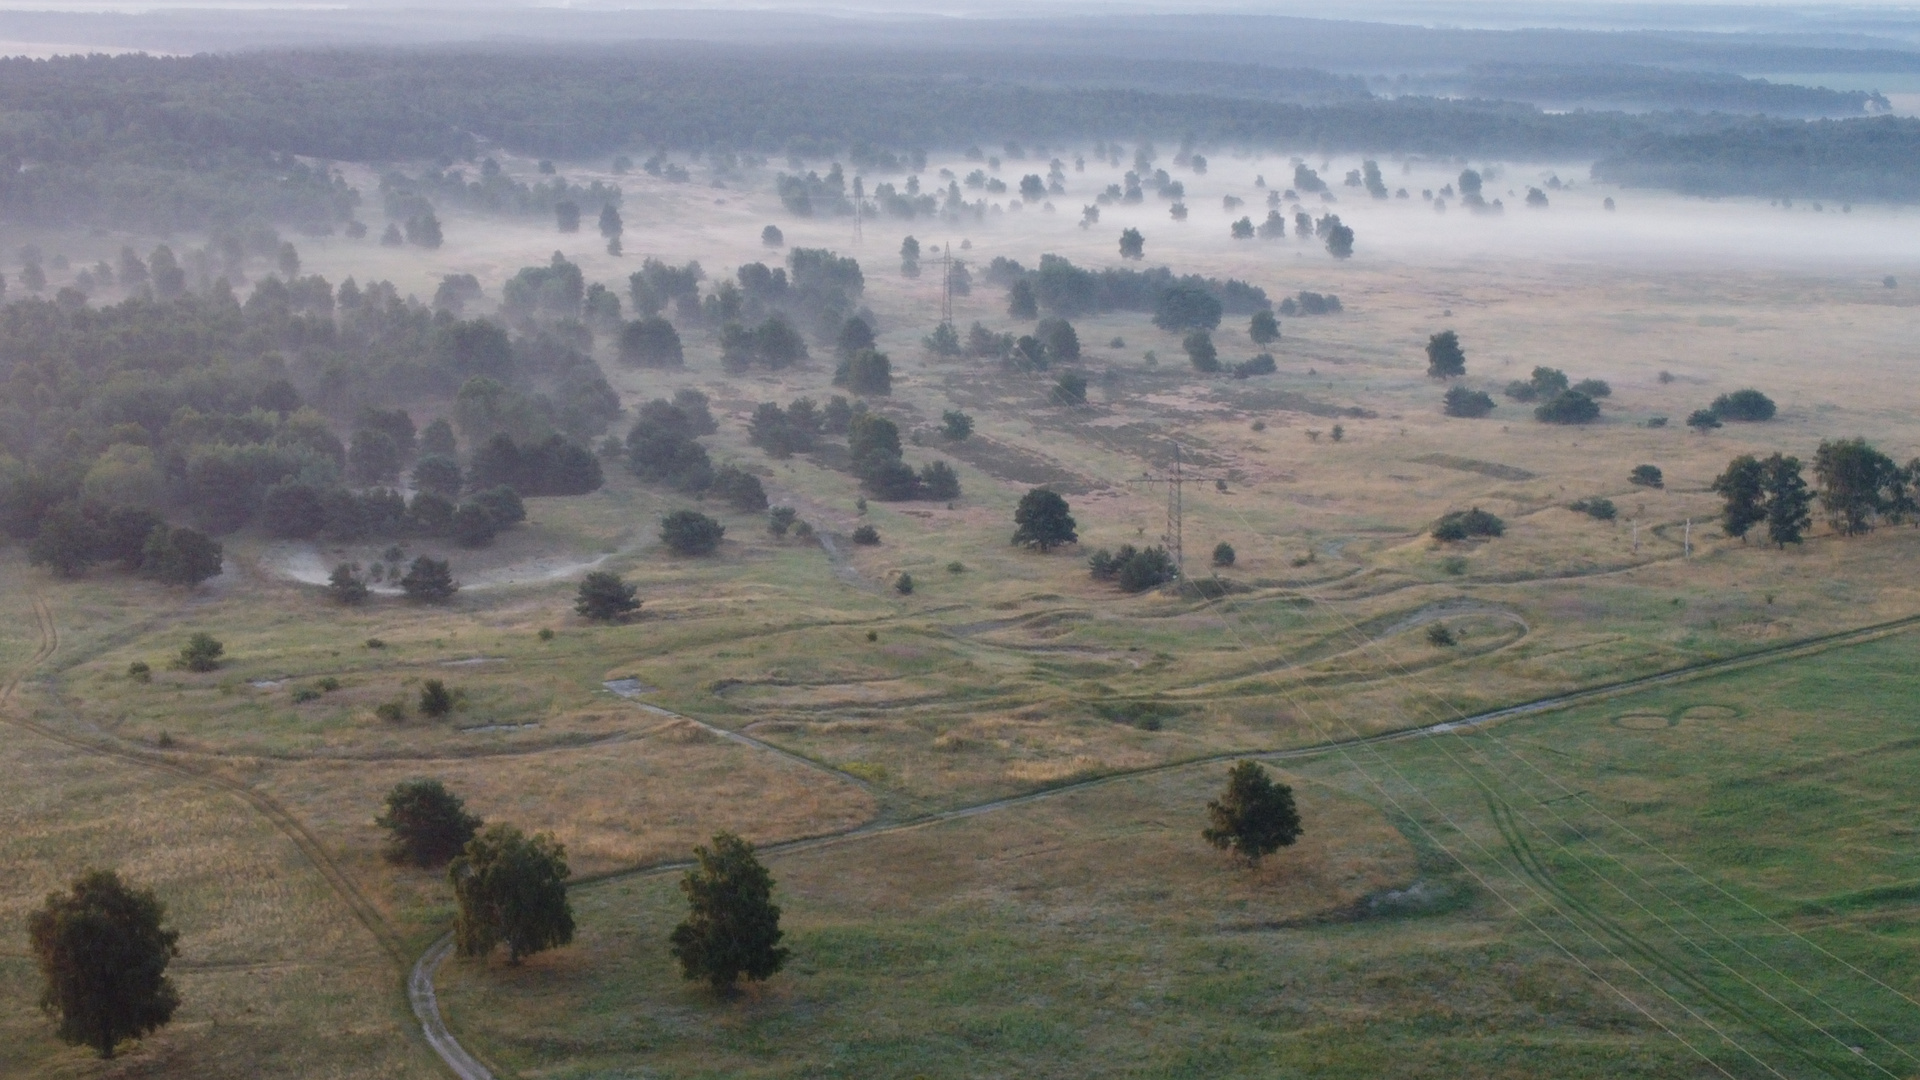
946,281
1636,536
1176,480
1688,543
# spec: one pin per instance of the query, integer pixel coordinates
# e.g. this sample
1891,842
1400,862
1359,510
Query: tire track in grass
282,819
1536,868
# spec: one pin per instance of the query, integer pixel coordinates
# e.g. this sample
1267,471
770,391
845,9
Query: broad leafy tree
651,342
605,598
181,556
103,954
1750,406
1263,328
511,889
201,653
1042,521
1445,358
1254,817
1132,244
1201,351
1789,502
1743,487
426,824
1852,475
732,930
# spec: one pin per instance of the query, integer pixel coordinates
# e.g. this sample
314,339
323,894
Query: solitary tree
1042,521
103,955
1263,328
1340,240
1445,358
733,926
1751,406
1254,817
1788,500
1703,420
689,532
429,580
651,342
566,215
1223,554
435,699
201,653
1647,476
512,889
1132,244
606,598
1743,488
956,425
427,825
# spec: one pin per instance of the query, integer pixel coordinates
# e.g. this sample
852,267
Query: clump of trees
662,447
1043,521
1774,492
429,580
1647,476
1466,525
1254,817
873,447
732,929
1744,406
1859,486
1311,303
1134,569
1468,404
1596,508
103,951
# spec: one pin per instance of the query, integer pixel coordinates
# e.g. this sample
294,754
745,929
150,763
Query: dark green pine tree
1254,817
733,926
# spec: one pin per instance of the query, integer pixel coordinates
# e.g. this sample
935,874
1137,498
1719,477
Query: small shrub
305,694
689,532
1439,636
780,519
1337,433
1646,476
873,635
866,535
1467,404
138,671
328,685
1223,554
1703,420
435,699
1656,421
375,643
903,584
200,653
1259,425
546,633
392,712
1595,508
956,567
1666,377
1453,564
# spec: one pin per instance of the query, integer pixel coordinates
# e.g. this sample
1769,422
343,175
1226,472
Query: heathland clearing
1092,932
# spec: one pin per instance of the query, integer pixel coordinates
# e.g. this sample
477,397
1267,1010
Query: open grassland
1091,934
1728,860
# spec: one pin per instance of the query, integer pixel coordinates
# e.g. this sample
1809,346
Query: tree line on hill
168,143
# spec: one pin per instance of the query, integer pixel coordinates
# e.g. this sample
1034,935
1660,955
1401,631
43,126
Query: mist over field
941,541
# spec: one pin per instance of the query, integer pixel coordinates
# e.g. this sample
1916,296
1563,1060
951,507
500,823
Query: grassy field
1460,906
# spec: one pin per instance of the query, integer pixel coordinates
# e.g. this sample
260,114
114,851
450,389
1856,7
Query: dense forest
170,143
